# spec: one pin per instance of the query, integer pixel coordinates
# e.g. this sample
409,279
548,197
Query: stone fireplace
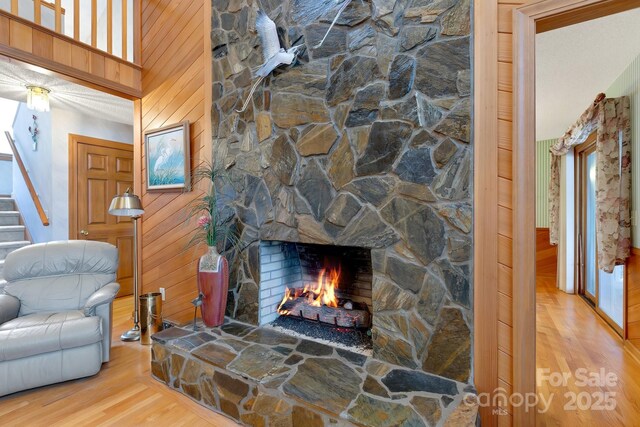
359,150
364,142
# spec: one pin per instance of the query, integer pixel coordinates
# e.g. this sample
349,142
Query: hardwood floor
570,336
122,394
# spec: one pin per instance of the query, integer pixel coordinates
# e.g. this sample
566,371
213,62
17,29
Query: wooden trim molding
586,13
27,180
6,157
485,253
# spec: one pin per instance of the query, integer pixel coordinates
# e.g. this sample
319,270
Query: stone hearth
364,142
260,377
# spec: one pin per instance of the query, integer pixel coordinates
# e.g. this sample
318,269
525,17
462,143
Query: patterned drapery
611,118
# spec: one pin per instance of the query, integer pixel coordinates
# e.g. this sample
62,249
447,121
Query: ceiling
575,63
64,94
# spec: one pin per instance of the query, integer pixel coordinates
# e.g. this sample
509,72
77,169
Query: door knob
84,232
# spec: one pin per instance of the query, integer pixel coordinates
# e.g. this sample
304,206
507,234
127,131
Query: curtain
611,118
613,183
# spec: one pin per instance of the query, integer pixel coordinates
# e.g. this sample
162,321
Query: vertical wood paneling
171,93
543,174
486,274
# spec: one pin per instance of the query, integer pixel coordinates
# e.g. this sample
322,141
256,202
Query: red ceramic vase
213,284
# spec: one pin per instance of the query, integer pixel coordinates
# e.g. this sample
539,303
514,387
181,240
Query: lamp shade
127,204
38,98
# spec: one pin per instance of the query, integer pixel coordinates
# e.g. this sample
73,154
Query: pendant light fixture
38,98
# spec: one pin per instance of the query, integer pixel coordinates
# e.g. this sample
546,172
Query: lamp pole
134,333
130,205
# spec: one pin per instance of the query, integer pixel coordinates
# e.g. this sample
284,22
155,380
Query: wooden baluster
37,12
58,16
14,7
109,26
76,19
137,25
94,23
124,32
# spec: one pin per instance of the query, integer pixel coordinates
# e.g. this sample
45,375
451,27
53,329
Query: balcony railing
107,25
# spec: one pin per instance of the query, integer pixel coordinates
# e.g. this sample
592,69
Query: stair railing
27,180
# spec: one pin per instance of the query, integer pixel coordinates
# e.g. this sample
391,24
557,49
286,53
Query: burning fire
321,293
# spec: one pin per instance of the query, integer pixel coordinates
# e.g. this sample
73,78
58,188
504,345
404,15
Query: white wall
38,165
51,176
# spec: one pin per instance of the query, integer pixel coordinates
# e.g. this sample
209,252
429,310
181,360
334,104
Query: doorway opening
39,167
565,342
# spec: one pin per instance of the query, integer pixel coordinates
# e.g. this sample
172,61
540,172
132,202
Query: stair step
7,247
9,218
11,233
7,204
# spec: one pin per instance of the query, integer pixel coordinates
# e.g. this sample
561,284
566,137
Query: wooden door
100,169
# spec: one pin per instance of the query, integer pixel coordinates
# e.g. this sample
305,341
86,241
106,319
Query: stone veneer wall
365,142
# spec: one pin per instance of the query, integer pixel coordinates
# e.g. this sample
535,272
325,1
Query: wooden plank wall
176,86
27,42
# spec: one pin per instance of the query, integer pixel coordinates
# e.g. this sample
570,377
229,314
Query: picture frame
168,158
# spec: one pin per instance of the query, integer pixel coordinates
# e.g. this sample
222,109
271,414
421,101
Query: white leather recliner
55,313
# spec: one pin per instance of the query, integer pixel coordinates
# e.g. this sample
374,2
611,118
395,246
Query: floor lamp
129,205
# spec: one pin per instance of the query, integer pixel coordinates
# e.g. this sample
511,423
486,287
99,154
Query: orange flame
322,293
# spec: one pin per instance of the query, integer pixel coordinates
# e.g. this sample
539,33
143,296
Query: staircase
12,233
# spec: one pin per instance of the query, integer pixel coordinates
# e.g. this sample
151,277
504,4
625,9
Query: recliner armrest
9,307
104,295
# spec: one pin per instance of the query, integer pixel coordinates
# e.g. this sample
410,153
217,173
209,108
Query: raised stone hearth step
261,377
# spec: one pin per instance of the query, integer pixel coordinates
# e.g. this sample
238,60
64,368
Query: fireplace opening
322,292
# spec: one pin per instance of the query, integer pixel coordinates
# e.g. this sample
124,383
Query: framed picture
168,158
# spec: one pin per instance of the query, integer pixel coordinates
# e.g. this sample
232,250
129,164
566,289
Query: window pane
590,250
611,293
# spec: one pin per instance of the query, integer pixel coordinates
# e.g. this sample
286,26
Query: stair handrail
27,180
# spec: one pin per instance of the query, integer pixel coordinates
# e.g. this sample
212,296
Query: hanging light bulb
38,98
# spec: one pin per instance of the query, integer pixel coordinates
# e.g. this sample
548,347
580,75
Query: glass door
605,291
589,231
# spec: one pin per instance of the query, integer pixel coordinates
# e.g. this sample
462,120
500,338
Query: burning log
319,302
356,317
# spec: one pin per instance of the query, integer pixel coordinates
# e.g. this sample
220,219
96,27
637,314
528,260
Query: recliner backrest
59,276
